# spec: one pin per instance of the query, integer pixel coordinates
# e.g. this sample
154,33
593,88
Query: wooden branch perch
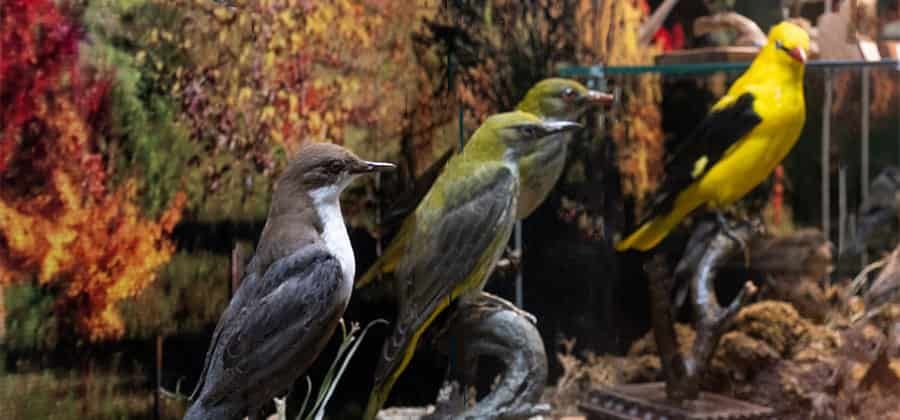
749,33
886,287
713,319
649,28
708,250
490,326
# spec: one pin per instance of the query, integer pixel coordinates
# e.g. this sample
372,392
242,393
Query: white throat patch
334,232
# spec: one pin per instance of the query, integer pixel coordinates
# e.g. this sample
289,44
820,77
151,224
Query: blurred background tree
65,224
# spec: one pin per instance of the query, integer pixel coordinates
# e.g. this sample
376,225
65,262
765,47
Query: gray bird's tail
198,411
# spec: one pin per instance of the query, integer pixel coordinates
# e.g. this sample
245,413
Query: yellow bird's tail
654,231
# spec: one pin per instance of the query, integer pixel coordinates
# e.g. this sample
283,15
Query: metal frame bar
825,162
864,145
842,208
698,68
520,287
864,128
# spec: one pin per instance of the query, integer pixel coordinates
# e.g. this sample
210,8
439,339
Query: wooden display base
648,402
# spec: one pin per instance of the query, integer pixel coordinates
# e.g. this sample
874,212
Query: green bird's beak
364,166
594,97
553,127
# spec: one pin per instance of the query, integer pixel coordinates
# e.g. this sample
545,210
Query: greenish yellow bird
745,136
458,232
553,99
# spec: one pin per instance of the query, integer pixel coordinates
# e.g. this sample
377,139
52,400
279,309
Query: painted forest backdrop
123,118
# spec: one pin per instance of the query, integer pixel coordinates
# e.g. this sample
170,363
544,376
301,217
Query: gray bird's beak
599,98
553,127
365,166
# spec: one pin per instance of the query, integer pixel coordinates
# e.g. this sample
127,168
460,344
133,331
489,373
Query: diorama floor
802,367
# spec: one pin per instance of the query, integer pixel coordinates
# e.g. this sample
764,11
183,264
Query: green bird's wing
700,151
387,263
403,212
459,232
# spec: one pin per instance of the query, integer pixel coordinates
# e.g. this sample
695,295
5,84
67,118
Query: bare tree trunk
678,385
238,257
2,317
157,408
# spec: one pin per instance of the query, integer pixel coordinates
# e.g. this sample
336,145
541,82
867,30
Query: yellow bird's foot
728,230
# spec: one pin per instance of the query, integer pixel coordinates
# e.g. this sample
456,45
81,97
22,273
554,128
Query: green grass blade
306,398
333,378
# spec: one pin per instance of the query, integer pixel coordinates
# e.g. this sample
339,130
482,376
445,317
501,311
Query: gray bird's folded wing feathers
237,302
450,241
292,298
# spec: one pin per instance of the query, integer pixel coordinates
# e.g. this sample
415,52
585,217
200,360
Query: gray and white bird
293,293
877,226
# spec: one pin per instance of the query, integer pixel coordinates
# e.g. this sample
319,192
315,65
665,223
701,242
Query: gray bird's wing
248,288
461,228
876,226
280,330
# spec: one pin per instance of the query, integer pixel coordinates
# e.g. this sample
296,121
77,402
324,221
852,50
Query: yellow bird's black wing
706,145
460,231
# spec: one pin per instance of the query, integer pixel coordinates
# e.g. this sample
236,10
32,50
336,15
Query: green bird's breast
539,173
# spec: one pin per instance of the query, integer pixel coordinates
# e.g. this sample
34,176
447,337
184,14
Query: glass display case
388,209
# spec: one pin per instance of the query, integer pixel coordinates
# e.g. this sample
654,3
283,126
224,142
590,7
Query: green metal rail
698,68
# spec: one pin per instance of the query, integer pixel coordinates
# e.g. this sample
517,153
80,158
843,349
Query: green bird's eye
569,94
528,131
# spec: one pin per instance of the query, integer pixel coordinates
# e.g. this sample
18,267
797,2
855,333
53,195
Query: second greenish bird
458,232
552,99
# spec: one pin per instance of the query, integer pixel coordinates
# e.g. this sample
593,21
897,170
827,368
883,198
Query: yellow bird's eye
780,45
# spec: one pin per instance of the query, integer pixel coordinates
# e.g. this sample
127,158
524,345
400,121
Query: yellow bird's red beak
798,54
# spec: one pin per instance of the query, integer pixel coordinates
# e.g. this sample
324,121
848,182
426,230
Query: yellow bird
745,136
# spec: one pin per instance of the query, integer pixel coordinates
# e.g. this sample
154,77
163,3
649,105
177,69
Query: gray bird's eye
334,166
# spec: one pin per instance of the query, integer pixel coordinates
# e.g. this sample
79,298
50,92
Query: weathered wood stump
488,326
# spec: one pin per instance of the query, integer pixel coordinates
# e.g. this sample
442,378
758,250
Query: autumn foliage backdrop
121,118
116,121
